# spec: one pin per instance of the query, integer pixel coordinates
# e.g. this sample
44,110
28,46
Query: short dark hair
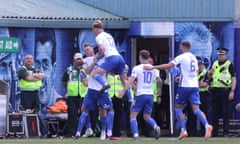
87,44
145,54
186,44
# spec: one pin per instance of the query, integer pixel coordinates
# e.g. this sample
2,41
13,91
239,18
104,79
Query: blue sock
134,126
152,122
100,79
104,123
181,122
110,117
88,122
201,116
82,121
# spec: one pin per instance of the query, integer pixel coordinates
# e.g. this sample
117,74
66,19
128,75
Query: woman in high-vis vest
74,79
30,81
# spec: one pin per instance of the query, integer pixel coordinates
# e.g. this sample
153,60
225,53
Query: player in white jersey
143,99
188,89
90,123
93,97
114,62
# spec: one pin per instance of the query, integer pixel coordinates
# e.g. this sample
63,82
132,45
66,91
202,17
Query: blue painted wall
206,36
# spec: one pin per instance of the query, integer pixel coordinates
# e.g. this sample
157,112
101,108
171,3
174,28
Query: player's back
108,43
188,70
145,79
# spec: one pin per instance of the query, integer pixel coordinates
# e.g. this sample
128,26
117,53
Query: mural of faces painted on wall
199,36
86,36
8,70
5,59
205,38
66,46
120,37
26,37
223,33
44,60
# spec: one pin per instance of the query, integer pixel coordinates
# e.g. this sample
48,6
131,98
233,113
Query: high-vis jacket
201,76
221,75
29,85
155,90
75,86
116,86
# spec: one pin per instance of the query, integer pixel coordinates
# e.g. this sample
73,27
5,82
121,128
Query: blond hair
97,24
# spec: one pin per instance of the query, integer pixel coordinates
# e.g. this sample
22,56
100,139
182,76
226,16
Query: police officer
30,81
73,80
223,85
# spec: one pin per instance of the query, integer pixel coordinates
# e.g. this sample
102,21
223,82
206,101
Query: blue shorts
115,64
144,102
94,97
188,94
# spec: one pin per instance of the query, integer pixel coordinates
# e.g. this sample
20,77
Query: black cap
222,50
200,59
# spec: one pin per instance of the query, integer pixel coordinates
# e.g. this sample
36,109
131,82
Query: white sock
109,133
78,133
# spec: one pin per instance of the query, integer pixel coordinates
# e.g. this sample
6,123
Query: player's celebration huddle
99,84
106,98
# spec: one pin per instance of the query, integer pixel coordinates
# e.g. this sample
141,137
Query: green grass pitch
165,140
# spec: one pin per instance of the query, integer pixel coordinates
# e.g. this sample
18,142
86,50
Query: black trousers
221,108
165,104
74,104
204,106
120,106
94,114
30,100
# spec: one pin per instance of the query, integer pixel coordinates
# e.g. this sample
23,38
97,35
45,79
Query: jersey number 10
147,77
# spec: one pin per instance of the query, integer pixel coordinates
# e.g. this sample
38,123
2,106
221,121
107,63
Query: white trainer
103,135
182,135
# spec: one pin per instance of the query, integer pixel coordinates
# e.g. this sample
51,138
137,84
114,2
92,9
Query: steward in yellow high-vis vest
26,85
165,99
116,86
75,86
73,80
157,101
201,79
156,90
203,92
30,82
119,104
223,85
